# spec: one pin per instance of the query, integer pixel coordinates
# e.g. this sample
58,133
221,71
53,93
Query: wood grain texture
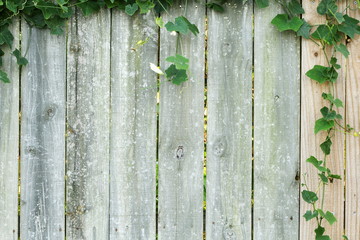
276,129
88,108
181,133
133,127
311,103
229,143
9,142
352,207
43,83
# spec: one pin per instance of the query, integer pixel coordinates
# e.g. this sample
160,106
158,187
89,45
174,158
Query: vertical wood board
133,127
88,107
229,143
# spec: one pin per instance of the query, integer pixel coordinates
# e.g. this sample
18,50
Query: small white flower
156,69
173,33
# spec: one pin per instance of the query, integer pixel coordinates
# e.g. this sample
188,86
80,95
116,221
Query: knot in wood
219,147
229,233
180,152
50,112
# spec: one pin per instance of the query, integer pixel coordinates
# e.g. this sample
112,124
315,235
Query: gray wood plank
181,134
43,83
229,143
9,143
133,127
276,129
88,107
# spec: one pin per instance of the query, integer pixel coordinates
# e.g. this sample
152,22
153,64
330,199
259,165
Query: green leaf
145,6
323,125
329,216
333,62
327,33
262,3
131,9
328,96
309,197
5,36
216,7
326,146
323,178
159,21
20,60
330,8
4,77
295,7
350,26
182,25
89,7
343,49
179,61
334,176
316,163
14,5
322,74
304,30
310,215
175,75
282,23
319,231
345,237
324,237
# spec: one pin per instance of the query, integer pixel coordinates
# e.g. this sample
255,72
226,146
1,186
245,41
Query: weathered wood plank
88,107
9,142
311,103
133,127
352,207
276,129
181,134
43,83
229,148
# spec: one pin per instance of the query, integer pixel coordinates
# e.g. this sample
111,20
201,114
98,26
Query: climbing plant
330,36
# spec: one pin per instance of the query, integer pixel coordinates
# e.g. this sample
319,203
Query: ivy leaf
14,5
343,49
175,75
179,61
328,96
145,6
262,3
333,62
323,178
326,146
4,77
304,30
5,36
350,26
319,231
159,21
329,115
56,25
216,7
310,215
282,23
323,125
334,176
322,74
20,60
89,7
182,25
131,9
324,237
327,33
316,163
329,216
345,237
309,197
295,8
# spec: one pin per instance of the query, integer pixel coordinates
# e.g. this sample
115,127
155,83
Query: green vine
329,36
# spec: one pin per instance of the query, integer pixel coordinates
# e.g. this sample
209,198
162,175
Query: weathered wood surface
352,207
9,142
181,133
42,135
276,129
88,108
229,143
133,127
311,103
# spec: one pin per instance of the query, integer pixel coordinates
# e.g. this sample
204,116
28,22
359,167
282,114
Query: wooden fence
85,128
